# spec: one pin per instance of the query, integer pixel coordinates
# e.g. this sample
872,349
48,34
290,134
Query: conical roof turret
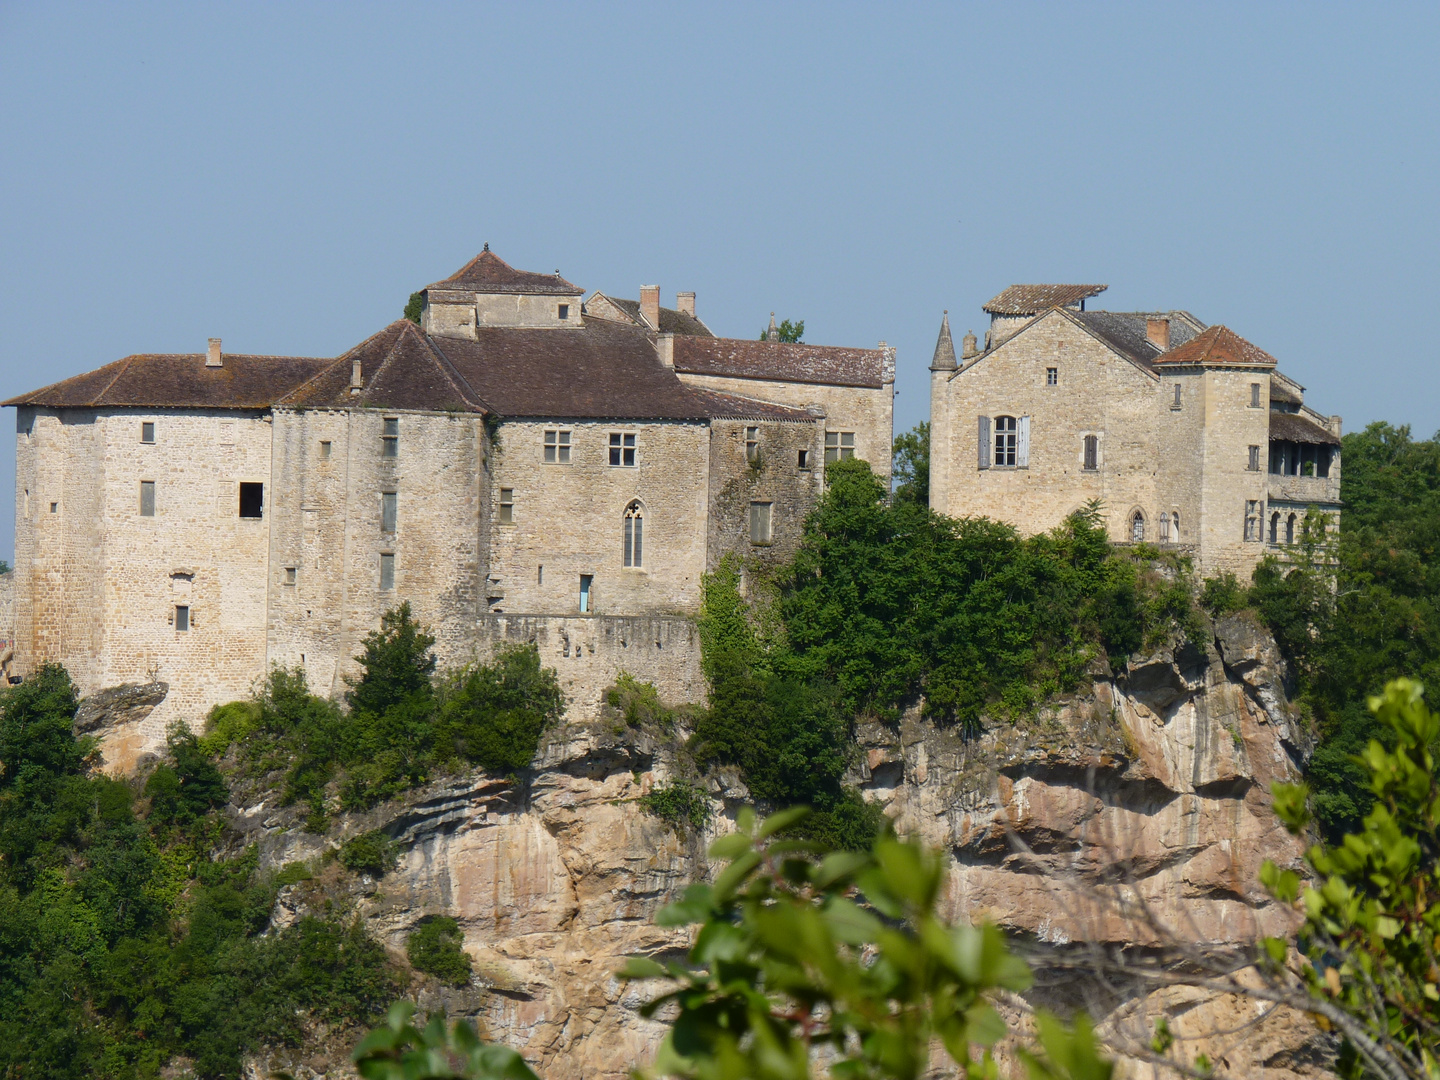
944,348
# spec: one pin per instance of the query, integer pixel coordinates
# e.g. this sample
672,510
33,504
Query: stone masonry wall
776,478
1232,425
568,520
869,413
589,652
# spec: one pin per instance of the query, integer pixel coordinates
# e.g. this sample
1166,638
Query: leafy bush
678,803
638,702
1223,595
188,788
493,714
370,853
434,948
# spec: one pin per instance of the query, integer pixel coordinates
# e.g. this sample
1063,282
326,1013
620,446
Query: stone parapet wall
588,652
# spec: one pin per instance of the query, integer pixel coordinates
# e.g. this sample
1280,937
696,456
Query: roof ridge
452,373
124,367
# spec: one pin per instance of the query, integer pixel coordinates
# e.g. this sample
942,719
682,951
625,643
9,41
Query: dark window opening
1137,527
585,581
1275,527
387,570
507,506
1176,403
634,535
1300,459
389,510
564,311
752,444
1254,463
147,431
1006,439
1255,395
804,459
622,449
390,439
1092,452
1052,376
252,500
182,618
557,447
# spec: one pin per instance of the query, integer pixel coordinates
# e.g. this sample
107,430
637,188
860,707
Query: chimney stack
650,305
212,358
1157,331
685,303
665,348
356,382
968,349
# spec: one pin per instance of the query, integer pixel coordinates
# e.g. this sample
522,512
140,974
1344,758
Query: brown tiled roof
1033,299
734,407
738,358
1217,345
671,321
180,381
1280,391
1294,427
400,369
488,273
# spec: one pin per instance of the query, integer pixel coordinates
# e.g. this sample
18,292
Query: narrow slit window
147,498
389,510
752,444
1176,403
804,459
182,618
1137,527
1175,526
390,438
252,500
1255,395
507,506
1275,527
1254,465
622,449
147,431
634,541
1092,452
1252,519
387,570
557,447
585,582
760,523
1052,376
1164,528
1290,529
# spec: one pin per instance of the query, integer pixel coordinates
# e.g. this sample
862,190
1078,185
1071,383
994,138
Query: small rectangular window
564,311
507,506
252,500
1254,465
540,574
291,574
1092,452
622,449
182,618
752,444
1176,403
147,431
147,498
585,580
1052,376
804,459
389,510
760,523
557,447
839,446
324,449
387,570
55,508
1252,519
390,439
1255,395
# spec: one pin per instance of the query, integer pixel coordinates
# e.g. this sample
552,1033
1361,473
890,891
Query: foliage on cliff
1354,611
122,944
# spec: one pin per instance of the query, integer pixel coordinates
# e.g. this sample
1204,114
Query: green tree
911,468
434,948
787,331
493,714
415,307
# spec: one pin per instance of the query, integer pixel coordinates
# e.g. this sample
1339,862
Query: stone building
524,465
1187,434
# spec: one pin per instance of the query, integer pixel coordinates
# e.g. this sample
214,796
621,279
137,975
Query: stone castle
529,465
1187,435
523,465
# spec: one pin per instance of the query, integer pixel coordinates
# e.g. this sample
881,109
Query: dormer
488,291
1018,304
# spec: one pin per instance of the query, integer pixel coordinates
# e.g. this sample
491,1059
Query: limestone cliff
1154,779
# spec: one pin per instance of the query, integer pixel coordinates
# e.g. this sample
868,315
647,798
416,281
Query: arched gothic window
1275,527
1290,529
1005,440
1175,526
1137,527
634,534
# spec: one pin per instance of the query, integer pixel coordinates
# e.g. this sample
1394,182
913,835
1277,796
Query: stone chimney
944,359
968,348
1157,331
772,334
212,358
685,303
650,305
356,382
665,348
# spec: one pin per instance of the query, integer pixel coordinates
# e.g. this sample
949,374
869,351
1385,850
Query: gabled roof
1295,427
1219,345
180,381
740,358
488,273
671,321
1285,390
400,368
1033,299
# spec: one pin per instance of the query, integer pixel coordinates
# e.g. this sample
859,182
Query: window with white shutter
1022,448
984,442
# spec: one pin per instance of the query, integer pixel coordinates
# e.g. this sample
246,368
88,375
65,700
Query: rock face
1154,780
114,716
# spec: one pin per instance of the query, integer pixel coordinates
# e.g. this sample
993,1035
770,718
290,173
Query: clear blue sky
283,176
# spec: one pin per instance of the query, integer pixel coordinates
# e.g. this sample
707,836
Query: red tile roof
1218,345
488,273
1033,299
180,380
738,358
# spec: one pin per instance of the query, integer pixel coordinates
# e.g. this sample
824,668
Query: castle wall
1232,425
568,519
589,652
868,412
328,527
777,479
